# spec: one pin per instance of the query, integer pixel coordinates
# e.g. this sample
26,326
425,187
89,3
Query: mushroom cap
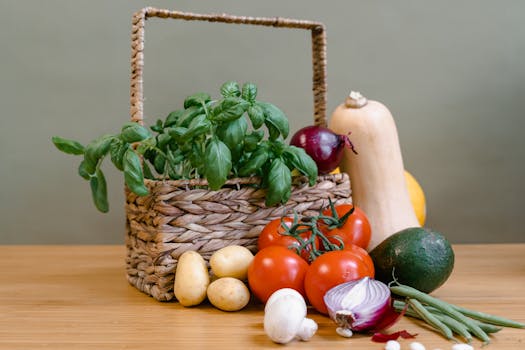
284,314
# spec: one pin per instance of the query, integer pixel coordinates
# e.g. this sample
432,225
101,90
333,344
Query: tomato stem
311,224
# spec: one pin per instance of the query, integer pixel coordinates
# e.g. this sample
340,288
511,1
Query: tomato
355,230
363,254
331,269
273,268
272,234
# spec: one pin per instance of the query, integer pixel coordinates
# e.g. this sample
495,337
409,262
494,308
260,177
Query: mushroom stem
307,329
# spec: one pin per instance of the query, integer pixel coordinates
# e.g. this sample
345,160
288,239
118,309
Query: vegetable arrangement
363,265
209,139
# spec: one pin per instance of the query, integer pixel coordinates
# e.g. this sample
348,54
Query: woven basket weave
183,215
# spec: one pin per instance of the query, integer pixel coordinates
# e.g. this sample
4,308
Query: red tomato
272,234
273,268
331,269
363,254
355,230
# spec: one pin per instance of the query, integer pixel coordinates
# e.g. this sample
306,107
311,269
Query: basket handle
137,52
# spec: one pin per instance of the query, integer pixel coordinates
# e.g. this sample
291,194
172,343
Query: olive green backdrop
451,72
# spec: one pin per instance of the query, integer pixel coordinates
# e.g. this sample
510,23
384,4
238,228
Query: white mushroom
392,345
285,317
416,346
462,347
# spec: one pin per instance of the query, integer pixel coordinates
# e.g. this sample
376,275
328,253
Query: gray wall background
451,72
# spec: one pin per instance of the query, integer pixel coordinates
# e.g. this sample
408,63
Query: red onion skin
383,338
369,317
323,145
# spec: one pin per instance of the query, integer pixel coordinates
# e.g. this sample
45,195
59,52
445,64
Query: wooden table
76,297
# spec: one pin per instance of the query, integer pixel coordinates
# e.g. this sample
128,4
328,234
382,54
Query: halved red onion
361,305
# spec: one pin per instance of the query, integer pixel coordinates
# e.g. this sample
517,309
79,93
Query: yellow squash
376,173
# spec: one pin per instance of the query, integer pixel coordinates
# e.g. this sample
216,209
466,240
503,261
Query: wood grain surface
77,297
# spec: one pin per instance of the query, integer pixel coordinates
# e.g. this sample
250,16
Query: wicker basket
181,215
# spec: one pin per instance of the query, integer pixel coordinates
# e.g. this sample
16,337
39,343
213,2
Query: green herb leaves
197,100
300,160
279,183
216,139
133,175
218,163
68,146
229,109
134,132
276,119
99,191
230,89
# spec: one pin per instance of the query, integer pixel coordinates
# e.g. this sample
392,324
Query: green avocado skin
418,257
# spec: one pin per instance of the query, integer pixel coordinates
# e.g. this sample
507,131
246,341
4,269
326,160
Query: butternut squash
376,173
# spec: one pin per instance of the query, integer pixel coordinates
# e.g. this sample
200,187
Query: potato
231,261
228,294
191,279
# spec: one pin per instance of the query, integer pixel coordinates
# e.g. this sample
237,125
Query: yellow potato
231,261
191,279
228,294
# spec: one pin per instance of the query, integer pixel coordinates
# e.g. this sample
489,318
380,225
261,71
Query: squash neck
355,100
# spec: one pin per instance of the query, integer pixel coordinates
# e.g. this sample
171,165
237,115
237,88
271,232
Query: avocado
418,257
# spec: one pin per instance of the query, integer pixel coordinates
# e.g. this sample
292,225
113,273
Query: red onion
323,145
383,338
361,305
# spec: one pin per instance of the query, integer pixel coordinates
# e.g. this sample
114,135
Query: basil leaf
133,175
177,133
251,141
199,125
302,162
249,92
159,163
197,99
230,89
232,134
229,109
158,126
218,163
279,183
134,132
188,115
68,146
274,116
82,171
116,151
173,117
96,150
148,174
255,163
256,115
146,145
196,157
273,132
163,140
99,191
